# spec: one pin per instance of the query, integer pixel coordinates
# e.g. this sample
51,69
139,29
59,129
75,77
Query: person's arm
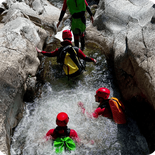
84,57
98,112
89,11
62,12
49,54
95,114
49,134
74,135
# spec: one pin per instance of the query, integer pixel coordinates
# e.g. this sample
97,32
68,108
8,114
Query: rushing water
59,95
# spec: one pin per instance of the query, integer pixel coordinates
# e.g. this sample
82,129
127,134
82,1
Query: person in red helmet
62,130
62,136
111,108
68,55
78,22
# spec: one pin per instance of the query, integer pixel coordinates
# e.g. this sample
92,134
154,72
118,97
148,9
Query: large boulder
18,56
41,13
125,31
24,25
22,29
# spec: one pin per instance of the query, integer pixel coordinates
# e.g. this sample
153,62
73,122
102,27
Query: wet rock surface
21,31
125,31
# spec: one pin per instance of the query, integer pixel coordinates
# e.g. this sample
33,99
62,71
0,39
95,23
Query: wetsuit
77,9
110,109
103,109
62,132
65,43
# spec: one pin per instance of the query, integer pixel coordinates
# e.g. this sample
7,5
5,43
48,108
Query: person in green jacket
77,9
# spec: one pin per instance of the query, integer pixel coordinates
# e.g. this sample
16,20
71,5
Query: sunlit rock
126,25
18,58
125,31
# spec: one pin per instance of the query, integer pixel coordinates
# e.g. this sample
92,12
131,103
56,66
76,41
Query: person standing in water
77,9
68,56
110,108
63,136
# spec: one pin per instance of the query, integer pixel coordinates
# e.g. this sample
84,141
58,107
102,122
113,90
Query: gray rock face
18,57
115,15
125,31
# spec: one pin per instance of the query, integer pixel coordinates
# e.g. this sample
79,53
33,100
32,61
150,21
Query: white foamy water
63,96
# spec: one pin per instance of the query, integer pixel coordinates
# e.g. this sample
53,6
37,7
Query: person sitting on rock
63,136
77,9
111,108
68,56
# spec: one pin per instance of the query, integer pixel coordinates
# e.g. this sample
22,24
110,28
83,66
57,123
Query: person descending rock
68,56
111,108
77,9
62,136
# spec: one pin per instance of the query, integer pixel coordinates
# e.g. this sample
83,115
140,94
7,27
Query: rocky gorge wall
125,31
22,29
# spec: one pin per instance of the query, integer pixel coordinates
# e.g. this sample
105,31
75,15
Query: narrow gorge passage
60,94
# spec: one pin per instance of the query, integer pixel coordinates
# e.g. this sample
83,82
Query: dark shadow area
144,115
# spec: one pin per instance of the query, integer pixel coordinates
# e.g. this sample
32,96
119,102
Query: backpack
119,103
69,60
118,110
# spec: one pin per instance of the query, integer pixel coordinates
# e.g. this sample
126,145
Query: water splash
62,95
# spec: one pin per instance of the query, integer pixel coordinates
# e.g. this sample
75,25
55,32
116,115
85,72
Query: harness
105,105
66,131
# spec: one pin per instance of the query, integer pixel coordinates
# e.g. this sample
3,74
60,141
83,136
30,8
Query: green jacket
76,6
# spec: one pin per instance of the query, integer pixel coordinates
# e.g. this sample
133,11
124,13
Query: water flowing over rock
125,31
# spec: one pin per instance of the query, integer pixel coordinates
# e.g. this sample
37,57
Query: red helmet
66,34
103,92
62,119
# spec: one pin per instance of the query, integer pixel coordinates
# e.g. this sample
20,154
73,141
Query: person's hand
94,61
92,19
82,107
58,24
38,50
92,142
47,137
89,115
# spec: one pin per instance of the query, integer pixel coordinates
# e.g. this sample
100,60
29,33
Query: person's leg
82,39
76,40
